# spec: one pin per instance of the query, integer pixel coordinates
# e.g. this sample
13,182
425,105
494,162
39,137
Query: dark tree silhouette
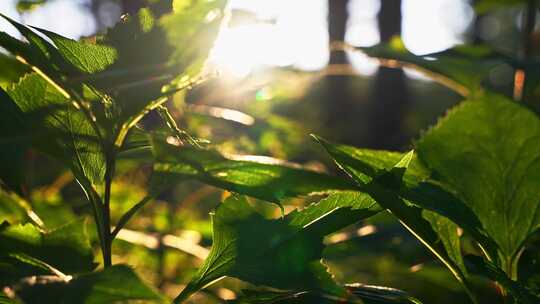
390,99
339,103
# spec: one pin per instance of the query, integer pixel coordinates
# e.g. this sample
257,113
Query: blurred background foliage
281,78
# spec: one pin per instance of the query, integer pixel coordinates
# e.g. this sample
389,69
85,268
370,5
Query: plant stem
469,292
109,175
128,215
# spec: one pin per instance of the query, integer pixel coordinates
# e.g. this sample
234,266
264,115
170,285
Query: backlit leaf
270,182
488,152
156,46
37,51
57,127
87,57
11,69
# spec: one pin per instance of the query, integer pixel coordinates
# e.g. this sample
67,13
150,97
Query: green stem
128,215
101,212
109,175
97,206
182,135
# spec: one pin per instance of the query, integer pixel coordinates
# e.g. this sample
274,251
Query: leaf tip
406,160
315,136
322,141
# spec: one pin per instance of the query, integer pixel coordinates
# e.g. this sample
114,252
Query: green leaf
488,152
12,149
485,268
335,212
462,68
11,69
129,35
116,284
368,293
68,66
268,182
418,188
85,56
66,249
57,73
366,164
448,232
371,171
184,38
37,52
282,253
36,48
434,196
25,52
194,25
57,127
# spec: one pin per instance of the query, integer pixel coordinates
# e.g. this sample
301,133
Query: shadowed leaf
66,248
117,284
283,253
485,268
461,68
385,185
368,293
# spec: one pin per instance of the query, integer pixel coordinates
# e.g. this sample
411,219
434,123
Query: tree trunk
338,104
337,27
390,97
